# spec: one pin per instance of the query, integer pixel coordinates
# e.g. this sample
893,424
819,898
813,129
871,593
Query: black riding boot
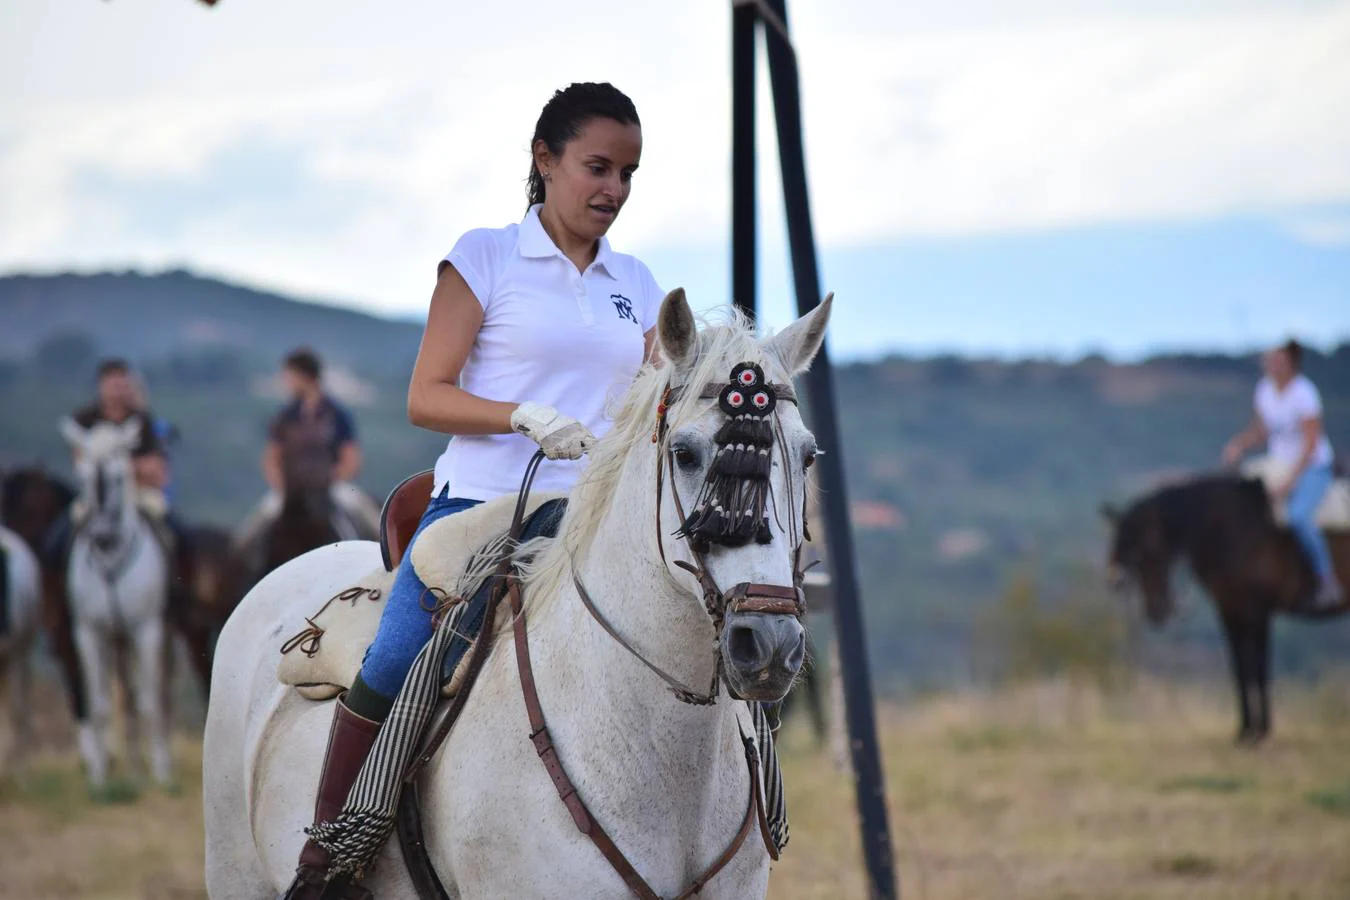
349,744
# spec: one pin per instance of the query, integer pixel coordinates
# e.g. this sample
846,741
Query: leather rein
744,597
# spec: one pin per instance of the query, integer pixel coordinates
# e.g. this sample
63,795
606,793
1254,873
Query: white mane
103,442
721,345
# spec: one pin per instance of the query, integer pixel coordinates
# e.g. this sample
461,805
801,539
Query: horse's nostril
744,646
794,660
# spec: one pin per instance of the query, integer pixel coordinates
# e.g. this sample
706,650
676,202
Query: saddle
454,557
402,512
1334,512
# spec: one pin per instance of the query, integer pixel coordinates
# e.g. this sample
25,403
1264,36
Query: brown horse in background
31,500
215,590
1251,567
307,519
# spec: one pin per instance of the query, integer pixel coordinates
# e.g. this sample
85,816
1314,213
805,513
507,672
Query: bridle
747,597
111,561
744,597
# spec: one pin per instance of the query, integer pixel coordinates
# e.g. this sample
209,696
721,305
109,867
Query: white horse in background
20,596
668,780
118,587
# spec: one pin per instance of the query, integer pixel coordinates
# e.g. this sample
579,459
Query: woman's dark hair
113,366
565,114
1294,350
305,361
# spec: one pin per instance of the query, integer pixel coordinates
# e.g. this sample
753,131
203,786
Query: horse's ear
72,432
1109,513
796,345
677,330
129,432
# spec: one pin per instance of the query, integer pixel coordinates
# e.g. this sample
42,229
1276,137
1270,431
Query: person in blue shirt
315,434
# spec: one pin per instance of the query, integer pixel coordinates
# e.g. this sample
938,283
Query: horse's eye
685,458
810,459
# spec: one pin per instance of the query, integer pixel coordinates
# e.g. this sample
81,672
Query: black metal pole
858,702
744,249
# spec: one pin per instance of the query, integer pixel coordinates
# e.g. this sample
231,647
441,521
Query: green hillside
966,476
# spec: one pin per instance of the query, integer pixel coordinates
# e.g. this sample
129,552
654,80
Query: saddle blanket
1334,512
453,556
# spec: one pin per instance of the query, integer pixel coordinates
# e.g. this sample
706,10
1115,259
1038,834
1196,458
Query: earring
548,176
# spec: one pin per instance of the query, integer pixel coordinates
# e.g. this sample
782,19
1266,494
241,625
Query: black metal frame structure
783,79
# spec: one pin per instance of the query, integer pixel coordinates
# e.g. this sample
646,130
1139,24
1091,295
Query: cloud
315,147
1330,231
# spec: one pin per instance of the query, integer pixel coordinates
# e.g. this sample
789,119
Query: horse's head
307,480
30,501
734,453
1141,556
104,469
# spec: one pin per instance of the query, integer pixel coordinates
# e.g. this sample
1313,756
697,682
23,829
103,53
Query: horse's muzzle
762,652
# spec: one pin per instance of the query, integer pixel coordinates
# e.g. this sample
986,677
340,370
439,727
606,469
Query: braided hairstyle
566,113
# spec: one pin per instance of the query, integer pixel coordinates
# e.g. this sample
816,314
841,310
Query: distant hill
146,316
966,476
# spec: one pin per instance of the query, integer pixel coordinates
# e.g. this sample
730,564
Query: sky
1006,177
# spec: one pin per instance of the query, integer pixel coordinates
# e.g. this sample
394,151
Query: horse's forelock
105,442
725,338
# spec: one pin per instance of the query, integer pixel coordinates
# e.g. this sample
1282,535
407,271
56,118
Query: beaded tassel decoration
730,509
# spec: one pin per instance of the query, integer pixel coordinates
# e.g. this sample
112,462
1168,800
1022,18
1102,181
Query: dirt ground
1045,792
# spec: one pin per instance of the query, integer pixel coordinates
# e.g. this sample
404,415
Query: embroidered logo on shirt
624,307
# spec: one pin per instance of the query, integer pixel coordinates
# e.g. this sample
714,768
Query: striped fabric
355,837
775,804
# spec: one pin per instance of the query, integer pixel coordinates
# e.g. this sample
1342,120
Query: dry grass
1055,792
1044,792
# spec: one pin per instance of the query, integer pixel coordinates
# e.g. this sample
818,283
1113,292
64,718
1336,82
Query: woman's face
589,183
1277,365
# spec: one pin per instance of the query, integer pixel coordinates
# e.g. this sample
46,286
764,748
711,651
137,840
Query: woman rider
1289,418
531,328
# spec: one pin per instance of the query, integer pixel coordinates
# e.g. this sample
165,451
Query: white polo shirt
550,334
1284,412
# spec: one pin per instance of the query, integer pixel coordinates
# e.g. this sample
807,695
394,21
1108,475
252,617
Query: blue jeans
405,625
1303,501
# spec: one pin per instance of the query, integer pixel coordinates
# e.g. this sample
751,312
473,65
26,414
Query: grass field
1047,791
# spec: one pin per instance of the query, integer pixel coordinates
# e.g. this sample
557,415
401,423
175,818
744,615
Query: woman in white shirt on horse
531,328
1289,419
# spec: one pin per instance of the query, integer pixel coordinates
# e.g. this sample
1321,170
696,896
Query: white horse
668,780
118,586
20,596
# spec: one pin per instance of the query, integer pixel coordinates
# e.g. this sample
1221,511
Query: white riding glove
559,436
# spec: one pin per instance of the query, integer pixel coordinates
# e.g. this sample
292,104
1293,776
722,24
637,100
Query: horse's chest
503,831
109,590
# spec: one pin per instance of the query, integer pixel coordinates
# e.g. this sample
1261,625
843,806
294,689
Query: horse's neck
599,681
129,522
134,543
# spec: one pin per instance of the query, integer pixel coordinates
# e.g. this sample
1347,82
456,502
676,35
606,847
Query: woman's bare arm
435,400
1244,440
